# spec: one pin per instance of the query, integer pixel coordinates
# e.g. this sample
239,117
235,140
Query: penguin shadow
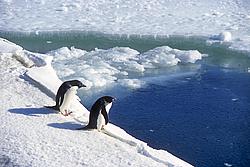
36,112
5,161
66,125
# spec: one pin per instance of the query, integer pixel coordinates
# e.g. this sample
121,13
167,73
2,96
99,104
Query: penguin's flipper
105,115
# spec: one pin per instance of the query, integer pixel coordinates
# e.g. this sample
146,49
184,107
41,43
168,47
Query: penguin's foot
66,113
100,129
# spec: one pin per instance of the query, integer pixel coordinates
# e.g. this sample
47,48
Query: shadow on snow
37,112
31,111
66,125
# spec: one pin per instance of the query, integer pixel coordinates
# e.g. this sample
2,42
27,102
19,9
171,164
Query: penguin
65,94
98,116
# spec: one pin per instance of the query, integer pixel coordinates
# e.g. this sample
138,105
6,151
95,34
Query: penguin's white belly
108,107
68,98
100,121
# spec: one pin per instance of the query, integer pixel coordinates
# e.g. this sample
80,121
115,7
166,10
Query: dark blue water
204,119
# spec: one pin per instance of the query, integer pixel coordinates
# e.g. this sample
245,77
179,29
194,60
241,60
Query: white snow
155,17
32,135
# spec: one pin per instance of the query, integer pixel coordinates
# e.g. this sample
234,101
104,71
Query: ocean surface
201,114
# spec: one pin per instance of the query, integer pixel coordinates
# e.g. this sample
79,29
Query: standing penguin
98,116
65,94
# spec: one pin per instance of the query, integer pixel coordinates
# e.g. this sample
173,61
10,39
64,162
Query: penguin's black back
98,108
62,90
94,112
60,93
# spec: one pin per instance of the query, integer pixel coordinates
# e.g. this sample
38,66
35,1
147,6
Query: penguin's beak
114,99
81,86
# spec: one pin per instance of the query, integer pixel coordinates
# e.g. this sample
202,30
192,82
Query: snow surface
32,135
141,17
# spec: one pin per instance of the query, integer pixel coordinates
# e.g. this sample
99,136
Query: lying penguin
65,94
98,116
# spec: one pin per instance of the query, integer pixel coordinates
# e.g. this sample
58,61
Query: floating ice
165,56
132,83
159,57
100,68
118,65
65,53
228,164
223,36
235,99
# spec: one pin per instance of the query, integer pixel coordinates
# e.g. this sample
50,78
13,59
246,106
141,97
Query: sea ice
169,17
225,36
118,65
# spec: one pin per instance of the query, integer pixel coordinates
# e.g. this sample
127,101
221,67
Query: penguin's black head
108,99
76,83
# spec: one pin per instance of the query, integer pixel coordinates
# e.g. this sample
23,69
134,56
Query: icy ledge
42,73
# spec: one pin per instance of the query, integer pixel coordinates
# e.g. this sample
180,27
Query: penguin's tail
52,107
85,128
